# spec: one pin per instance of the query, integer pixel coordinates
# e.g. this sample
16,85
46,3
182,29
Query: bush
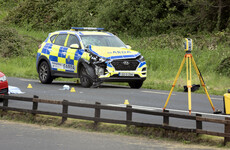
33,14
53,14
14,44
139,17
224,67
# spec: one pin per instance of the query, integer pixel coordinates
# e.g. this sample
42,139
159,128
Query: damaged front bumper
110,74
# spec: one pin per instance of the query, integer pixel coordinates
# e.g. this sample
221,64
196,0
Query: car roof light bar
86,28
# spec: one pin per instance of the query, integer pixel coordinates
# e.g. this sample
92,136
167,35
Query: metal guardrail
129,115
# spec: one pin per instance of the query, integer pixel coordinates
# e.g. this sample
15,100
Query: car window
52,38
102,40
60,40
72,40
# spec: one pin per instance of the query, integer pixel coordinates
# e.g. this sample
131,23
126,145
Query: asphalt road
116,95
18,136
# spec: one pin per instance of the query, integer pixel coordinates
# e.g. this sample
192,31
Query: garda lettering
119,52
63,66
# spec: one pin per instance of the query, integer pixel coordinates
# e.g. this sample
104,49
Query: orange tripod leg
202,83
174,83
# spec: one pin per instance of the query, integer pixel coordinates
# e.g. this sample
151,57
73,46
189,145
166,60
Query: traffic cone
72,89
29,86
126,102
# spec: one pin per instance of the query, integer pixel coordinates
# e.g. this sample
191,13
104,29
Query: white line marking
28,80
172,110
162,93
216,98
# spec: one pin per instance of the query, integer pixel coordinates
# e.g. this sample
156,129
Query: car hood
1,74
113,52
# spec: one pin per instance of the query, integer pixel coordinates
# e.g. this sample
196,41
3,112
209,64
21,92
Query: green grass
19,67
3,14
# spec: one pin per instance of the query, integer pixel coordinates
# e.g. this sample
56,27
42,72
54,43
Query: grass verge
25,67
19,67
151,133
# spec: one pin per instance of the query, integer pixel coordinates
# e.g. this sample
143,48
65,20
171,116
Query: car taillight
39,46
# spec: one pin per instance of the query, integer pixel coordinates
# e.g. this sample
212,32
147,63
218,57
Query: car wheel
2,99
135,84
44,73
84,78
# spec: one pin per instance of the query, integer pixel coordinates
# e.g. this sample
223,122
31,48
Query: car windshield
102,40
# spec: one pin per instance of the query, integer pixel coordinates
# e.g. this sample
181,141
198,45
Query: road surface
18,136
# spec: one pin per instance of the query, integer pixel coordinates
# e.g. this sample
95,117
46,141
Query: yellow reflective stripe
66,40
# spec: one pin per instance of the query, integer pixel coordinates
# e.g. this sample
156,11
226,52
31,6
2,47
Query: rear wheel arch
41,59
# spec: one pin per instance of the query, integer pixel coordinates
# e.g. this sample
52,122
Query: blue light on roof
86,28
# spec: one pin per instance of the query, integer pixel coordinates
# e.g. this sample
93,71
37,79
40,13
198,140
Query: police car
91,54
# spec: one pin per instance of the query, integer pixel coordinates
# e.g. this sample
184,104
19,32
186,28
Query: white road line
220,99
162,93
28,80
172,110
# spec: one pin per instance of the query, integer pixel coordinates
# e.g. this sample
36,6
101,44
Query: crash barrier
98,107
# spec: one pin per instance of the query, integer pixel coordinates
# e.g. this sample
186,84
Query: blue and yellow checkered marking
62,52
61,58
46,48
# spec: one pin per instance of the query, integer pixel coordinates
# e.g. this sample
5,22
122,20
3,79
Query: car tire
135,84
84,78
2,99
44,73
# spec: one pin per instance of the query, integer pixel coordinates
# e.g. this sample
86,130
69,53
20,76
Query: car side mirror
74,46
128,46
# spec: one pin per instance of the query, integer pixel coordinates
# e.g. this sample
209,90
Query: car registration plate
126,74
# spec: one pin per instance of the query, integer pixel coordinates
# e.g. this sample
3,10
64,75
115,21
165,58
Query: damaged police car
92,55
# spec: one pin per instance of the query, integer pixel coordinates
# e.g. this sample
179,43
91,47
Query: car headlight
141,58
96,60
102,59
3,78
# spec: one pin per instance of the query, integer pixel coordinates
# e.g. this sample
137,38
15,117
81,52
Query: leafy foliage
14,44
7,4
224,67
139,17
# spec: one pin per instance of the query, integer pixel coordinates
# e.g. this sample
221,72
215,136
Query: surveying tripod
188,58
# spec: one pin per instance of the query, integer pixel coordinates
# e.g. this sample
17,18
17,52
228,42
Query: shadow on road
79,85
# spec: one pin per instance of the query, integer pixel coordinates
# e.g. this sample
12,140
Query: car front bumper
3,88
4,91
123,75
122,79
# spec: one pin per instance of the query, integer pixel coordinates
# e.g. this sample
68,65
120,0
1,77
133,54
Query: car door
73,55
58,54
